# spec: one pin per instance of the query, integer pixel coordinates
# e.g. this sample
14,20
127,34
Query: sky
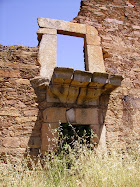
18,20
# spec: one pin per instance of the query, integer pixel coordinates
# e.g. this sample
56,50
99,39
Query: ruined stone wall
19,117
118,23
20,104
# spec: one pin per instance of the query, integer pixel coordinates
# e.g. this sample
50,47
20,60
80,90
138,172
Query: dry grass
81,167
75,165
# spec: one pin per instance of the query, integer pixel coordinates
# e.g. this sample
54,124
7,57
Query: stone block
7,73
23,81
99,79
49,137
91,30
88,96
92,102
31,112
26,119
108,88
11,142
86,116
47,55
92,96
61,92
9,112
70,114
77,28
81,78
94,59
62,75
91,39
46,31
51,98
54,114
115,79
63,27
53,23
82,96
73,94
24,142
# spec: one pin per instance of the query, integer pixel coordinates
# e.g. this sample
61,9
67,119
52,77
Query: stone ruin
24,97
73,96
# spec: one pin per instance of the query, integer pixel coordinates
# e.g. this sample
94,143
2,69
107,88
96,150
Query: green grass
81,167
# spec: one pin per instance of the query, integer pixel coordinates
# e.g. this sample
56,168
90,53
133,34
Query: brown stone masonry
118,24
24,107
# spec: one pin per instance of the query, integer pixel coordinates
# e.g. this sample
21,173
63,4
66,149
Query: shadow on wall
34,143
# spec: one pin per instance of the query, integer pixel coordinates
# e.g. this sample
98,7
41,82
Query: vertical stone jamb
93,51
47,55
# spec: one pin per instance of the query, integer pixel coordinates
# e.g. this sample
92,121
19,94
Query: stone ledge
62,75
77,87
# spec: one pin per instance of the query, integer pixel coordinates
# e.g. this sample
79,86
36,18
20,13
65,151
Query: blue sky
18,20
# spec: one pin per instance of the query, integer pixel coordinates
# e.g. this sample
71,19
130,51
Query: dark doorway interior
69,134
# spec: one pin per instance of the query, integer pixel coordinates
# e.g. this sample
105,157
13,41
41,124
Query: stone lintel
54,115
86,116
91,39
61,25
70,33
91,30
52,23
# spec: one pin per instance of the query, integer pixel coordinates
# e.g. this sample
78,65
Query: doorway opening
70,52
74,135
